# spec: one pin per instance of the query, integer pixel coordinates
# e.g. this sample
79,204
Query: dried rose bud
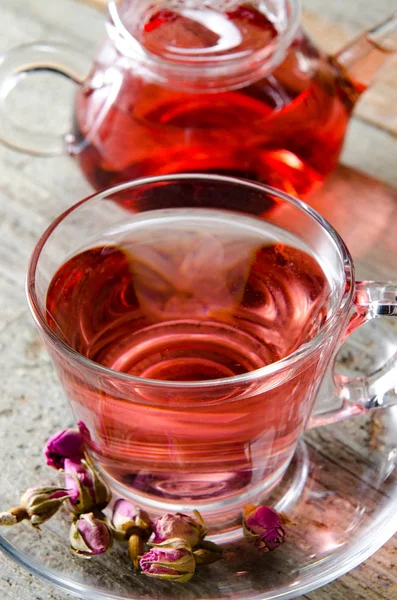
128,520
67,443
172,560
87,490
42,503
263,527
90,535
179,526
85,432
207,553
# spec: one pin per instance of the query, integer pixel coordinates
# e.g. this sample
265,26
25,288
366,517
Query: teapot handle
41,56
356,396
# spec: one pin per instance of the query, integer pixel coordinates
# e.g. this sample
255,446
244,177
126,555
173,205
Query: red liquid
187,309
285,130
191,299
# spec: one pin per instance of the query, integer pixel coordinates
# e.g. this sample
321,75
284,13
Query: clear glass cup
217,444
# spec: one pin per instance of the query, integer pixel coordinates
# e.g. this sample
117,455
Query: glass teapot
220,86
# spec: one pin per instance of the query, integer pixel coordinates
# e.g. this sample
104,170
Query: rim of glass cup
273,52
304,350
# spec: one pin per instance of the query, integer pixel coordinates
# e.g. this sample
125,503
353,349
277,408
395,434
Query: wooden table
34,190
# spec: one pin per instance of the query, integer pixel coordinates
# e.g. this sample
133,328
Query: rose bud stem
135,549
14,516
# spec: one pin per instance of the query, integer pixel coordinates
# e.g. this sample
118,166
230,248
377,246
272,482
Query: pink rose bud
87,490
67,443
263,527
172,560
179,526
85,432
128,520
90,536
41,503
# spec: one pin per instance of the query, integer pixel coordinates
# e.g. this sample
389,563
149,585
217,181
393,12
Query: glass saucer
340,493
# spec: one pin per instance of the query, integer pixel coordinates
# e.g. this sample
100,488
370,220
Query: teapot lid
205,34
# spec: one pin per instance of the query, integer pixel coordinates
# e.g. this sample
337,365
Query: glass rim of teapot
303,352
239,68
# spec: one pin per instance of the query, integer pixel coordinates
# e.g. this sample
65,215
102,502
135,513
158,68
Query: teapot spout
364,57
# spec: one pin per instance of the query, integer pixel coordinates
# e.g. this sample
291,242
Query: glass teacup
192,320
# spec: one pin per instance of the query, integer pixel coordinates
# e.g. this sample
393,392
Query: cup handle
379,389
59,58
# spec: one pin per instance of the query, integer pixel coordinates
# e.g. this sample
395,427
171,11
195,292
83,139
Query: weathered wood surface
34,190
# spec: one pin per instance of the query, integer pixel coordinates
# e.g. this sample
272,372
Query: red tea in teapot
216,86
284,129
